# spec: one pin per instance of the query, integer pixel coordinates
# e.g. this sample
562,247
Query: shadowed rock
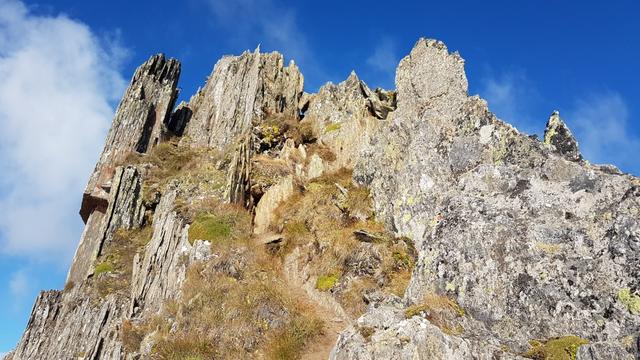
558,135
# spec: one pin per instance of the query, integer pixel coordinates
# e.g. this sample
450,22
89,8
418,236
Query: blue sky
64,64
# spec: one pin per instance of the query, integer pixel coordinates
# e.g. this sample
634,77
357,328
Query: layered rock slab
137,125
243,91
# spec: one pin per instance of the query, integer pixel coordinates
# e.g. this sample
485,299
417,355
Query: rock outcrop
259,221
525,240
241,92
137,126
558,135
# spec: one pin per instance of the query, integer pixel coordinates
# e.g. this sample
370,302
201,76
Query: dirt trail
331,312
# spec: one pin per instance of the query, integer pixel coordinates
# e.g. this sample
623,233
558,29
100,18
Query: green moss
103,267
403,260
332,127
631,301
210,227
326,282
561,348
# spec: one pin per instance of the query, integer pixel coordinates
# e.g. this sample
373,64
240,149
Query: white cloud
600,124
58,80
384,58
509,96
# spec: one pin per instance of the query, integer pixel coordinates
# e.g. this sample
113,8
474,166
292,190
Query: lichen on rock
260,221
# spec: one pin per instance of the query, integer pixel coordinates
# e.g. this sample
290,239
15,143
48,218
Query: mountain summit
261,221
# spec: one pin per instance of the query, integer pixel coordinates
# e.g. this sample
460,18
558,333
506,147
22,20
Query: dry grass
195,168
301,132
219,223
192,347
235,305
441,311
131,336
322,219
115,265
254,314
288,343
323,151
267,171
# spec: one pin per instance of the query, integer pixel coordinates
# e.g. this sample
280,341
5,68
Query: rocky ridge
261,220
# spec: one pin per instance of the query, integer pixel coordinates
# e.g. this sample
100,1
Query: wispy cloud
266,22
384,57
383,61
600,123
58,84
262,21
509,96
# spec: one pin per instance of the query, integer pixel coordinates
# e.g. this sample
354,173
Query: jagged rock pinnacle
558,135
137,126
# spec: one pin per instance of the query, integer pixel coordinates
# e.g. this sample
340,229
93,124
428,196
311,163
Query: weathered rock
345,115
158,274
68,326
558,135
384,333
264,213
242,91
603,351
239,183
137,125
124,211
521,238
518,235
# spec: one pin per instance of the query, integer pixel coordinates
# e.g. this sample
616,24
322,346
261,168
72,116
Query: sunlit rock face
260,221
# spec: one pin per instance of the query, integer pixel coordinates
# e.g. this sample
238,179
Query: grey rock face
385,333
522,238
68,326
137,126
345,115
604,351
124,211
243,91
159,272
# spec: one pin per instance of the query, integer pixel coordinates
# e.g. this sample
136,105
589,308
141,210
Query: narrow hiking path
334,317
